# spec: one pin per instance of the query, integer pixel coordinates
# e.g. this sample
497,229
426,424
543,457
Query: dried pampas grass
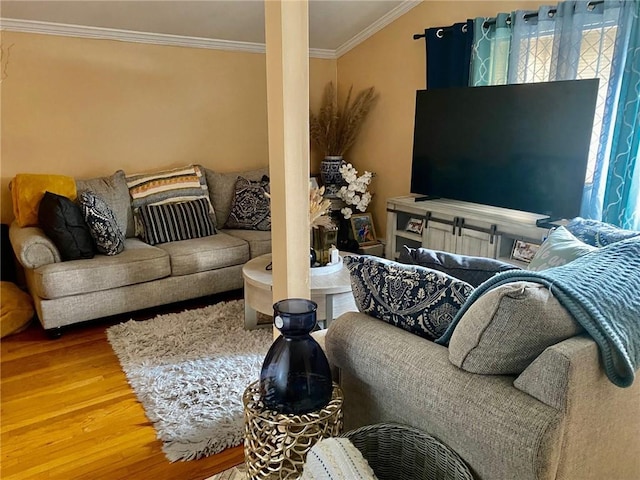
335,128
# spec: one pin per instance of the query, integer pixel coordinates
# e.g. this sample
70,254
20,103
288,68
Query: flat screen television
523,147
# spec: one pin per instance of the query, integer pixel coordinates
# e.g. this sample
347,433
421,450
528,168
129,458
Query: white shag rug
189,371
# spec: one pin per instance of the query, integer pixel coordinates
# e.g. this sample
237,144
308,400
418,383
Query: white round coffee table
332,292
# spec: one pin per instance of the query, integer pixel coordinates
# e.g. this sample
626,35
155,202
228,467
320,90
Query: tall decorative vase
295,376
330,174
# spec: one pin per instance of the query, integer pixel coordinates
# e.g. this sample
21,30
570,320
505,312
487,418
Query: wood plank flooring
69,413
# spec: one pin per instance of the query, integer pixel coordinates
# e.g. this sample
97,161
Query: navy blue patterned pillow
102,223
596,233
250,207
418,299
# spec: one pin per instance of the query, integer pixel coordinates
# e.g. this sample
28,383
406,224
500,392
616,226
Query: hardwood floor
69,413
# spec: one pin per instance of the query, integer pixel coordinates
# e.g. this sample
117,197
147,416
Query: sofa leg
53,333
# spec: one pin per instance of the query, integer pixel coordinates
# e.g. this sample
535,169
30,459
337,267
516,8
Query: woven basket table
276,444
400,452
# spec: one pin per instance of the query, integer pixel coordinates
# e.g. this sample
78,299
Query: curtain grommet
439,33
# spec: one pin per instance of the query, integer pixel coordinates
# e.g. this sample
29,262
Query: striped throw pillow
168,186
171,222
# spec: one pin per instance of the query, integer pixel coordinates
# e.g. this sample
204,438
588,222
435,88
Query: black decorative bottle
295,376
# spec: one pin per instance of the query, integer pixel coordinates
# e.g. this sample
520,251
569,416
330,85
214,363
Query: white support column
287,41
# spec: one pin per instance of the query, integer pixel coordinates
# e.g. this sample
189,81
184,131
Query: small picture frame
415,225
524,251
363,230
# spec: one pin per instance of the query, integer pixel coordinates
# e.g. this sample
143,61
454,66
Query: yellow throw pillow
27,189
16,309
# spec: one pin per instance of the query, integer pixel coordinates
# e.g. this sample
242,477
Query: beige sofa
142,275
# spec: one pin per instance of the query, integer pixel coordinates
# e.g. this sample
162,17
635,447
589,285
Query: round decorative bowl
327,269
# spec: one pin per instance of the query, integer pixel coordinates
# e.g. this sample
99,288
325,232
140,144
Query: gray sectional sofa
142,275
520,392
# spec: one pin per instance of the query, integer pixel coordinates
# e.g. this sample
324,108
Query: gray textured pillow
505,329
114,191
222,188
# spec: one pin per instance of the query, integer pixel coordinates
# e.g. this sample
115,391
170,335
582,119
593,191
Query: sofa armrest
32,247
547,377
569,376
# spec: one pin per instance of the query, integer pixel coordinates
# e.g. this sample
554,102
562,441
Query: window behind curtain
595,61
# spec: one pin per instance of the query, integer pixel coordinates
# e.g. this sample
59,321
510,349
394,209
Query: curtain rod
527,16
488,23
440,31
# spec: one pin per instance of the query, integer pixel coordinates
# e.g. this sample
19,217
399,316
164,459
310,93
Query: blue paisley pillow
418,299
596,233
102,223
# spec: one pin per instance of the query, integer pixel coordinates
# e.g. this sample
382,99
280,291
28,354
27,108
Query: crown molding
376,26
66,30
322,53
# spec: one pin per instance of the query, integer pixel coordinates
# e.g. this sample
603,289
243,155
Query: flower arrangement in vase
355,193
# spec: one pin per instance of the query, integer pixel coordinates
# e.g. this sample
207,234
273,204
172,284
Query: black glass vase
295,376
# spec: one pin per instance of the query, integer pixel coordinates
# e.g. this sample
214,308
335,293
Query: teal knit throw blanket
601,290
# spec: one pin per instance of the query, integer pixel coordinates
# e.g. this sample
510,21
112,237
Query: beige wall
394,63
84,107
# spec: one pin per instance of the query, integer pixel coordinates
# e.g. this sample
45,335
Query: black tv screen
523,147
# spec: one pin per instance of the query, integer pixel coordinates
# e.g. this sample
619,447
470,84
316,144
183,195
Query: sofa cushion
473,270
102,223
250,207
258,240
206,253
222,188
167,186
27,189
138,263
505,329
114,191
598,234
560,248
63,222
172,222
417,299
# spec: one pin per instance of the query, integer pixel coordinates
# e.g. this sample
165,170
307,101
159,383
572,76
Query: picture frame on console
415,225
363,229
524,251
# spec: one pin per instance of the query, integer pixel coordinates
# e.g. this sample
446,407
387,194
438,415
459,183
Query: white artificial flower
355,193
346,211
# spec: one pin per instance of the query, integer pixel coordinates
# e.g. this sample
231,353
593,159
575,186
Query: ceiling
332,23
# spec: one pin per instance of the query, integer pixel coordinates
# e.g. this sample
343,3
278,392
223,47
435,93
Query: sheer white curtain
577,40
